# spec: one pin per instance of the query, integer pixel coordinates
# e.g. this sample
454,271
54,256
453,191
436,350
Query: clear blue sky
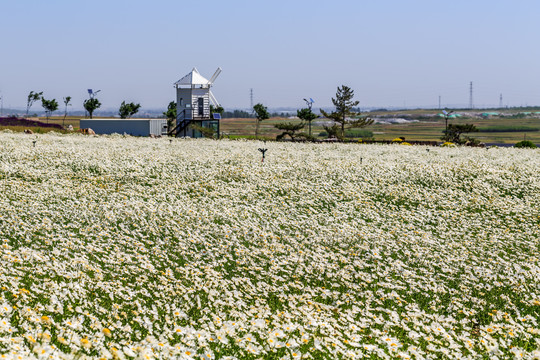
391,52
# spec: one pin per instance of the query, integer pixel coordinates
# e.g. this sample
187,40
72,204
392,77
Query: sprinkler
263,151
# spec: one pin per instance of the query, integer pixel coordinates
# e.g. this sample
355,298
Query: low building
134,127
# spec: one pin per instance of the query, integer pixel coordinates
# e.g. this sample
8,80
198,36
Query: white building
193,99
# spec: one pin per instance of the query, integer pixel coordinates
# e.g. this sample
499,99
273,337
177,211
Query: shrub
508,128
526,144
358,133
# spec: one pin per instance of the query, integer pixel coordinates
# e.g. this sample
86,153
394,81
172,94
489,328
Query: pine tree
344,111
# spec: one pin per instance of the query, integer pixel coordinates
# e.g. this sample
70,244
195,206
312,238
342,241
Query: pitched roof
193,78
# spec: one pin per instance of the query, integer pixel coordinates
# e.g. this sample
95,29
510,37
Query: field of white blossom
122,247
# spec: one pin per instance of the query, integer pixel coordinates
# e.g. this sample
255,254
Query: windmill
193,100
210,83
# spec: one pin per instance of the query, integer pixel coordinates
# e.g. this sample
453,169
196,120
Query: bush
508,128
526,144
358,133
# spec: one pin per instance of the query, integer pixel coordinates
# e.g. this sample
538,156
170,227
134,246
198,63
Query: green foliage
526,144
91,105
333,131
358,133
171,114
32,98
216,109
261,112
208,133
127,110
344,111
508,128
306,115
518,116
289,129
454,132
50,106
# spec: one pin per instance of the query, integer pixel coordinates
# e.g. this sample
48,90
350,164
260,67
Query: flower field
121,247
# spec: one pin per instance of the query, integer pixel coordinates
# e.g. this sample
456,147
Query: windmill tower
193,99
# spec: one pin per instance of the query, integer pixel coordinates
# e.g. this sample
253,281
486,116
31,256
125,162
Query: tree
128,110
306,115
50,106
91,105
454,132
261,112
32,98
289,129
170,114
332,131
216,109
67,100
344,110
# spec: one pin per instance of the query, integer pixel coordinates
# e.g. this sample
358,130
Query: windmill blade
213,99
214,77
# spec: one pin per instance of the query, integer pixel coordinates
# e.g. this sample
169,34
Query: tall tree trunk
257,129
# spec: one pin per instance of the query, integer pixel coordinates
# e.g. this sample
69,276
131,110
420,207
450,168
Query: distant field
427,128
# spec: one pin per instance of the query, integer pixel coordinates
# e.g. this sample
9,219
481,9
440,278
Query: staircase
182,125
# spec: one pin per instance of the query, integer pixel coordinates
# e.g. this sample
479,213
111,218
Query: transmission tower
439,102
471,104
500,102
251,97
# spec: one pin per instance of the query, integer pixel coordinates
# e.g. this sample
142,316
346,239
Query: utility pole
500,102
471,104
439,102
251,97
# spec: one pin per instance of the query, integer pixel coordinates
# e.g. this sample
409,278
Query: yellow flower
107,332
85,343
